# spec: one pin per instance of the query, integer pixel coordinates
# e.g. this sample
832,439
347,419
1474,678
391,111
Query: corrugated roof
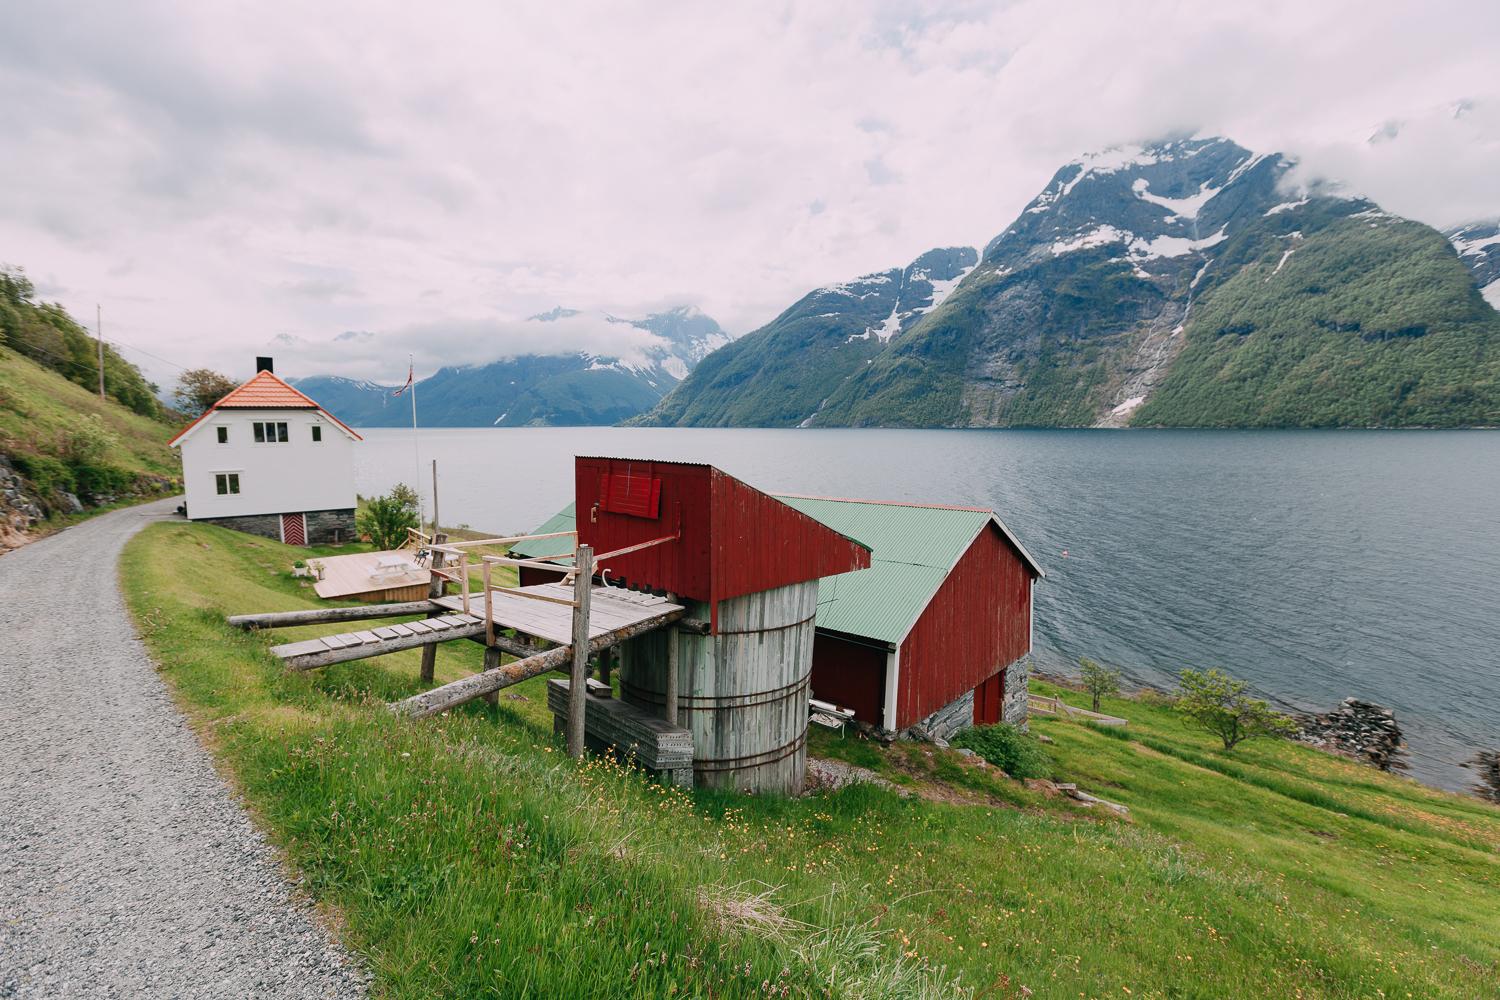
915,545
563,520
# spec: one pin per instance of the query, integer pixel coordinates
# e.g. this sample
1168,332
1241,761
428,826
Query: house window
269,432
317,433
227,483
223,435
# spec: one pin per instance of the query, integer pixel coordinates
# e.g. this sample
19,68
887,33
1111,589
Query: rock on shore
1359,729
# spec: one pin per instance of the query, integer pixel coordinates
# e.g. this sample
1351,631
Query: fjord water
1317,565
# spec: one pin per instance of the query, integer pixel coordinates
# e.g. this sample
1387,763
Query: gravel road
127,868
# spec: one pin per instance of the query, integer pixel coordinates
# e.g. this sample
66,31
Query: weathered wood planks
323,616
612,724
356,646
451,695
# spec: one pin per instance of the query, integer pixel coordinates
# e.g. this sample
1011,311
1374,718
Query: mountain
572,389
1478,246
779,375
1182,283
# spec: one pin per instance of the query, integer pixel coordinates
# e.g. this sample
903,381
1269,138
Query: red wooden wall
734,540
849,674
978,623
989,700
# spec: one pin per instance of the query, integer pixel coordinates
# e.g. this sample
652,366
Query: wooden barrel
742,692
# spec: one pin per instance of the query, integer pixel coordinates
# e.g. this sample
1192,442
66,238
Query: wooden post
672,654
491,662
434,589
604,665
583,585
672,644
435,521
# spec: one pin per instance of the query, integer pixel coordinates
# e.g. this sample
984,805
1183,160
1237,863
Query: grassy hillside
467,857
45,333
1354,323
64,438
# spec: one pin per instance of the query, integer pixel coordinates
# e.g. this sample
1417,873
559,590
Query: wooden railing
1053,705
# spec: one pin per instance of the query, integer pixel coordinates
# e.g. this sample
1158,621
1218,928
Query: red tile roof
264,392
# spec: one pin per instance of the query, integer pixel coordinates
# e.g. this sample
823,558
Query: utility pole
99,335
434,499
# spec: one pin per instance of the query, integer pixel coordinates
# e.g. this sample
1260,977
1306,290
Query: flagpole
416,451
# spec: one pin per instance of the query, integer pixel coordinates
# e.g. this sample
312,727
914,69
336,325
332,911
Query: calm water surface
1315,564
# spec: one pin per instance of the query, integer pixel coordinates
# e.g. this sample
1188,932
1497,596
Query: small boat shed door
294,529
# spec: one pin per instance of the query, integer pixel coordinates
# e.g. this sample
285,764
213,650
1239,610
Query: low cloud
439,343
311,169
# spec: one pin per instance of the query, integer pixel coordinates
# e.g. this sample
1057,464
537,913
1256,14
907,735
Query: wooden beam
435,588
672,664
583,589
512,539
441,699
296,656
325,616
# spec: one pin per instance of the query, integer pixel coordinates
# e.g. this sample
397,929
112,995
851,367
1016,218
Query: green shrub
89,442
49,475
385,519
1219,704
95,480
1017,753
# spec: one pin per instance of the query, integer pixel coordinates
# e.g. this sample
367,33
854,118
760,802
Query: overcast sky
343,183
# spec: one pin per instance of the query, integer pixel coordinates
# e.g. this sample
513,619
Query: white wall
299,475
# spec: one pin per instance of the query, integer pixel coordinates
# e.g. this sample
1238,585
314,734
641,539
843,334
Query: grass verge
468,858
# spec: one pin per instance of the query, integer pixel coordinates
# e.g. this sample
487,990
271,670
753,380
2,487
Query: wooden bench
610,725
829,715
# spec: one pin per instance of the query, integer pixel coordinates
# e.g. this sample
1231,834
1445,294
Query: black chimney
263,365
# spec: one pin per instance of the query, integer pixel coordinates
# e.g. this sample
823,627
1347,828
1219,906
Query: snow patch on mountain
1183,208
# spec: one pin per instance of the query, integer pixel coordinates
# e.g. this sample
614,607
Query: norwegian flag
407,385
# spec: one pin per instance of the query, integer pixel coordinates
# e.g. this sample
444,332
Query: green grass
465,856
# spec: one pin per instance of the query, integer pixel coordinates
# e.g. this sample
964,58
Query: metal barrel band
772,756
717,703
767,628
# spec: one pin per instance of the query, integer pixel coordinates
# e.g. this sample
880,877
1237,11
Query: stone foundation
940,725
1017,683
324,527
331,527
959,713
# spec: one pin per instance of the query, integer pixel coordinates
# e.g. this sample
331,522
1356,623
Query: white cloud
217,177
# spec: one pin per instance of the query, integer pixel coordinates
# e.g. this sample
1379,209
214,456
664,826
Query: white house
268,460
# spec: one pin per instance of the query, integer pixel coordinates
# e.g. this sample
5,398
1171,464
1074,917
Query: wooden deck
359,573
610,609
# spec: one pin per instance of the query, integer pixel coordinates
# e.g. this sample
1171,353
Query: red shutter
631,494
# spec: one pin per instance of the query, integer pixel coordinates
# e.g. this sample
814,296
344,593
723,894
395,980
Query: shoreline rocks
1487,764
1359,729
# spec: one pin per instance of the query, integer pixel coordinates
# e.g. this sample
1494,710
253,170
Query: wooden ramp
377,641
547,612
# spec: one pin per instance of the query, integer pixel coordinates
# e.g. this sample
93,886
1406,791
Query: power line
132,347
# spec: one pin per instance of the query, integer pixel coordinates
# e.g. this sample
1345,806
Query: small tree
1099,680
386,519
199,388
1219,704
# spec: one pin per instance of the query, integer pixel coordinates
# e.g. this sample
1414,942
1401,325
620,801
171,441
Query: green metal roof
914,546
563,520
